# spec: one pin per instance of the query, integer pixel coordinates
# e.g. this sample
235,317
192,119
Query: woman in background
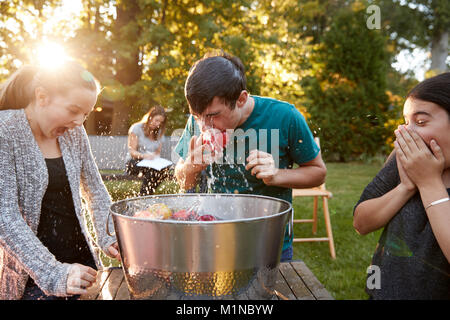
145,140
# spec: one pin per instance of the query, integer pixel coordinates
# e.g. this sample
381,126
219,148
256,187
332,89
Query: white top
145,144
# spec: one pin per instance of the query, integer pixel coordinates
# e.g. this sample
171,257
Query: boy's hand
201,155
262,165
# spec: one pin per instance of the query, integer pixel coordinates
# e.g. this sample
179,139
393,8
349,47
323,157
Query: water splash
221,172
230,161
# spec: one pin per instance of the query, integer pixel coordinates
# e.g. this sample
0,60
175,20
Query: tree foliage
316,54
418,23
346,96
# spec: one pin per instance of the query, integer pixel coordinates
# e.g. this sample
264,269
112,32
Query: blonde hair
18,90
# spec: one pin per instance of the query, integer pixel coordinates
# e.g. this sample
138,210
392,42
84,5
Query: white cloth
145,144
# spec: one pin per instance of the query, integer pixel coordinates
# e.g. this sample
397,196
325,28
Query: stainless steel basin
234,257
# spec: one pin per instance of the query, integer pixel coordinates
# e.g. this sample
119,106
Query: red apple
180,215
184,215
206,217
143,214
214,137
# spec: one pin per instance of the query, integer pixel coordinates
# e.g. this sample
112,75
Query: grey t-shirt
145,144
411,262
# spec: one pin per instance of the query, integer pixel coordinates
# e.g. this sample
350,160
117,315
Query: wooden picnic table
294,282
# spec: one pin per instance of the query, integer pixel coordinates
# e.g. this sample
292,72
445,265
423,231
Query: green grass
112,171
119,190
343,277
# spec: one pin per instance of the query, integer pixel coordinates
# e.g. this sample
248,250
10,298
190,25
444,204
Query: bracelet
437,202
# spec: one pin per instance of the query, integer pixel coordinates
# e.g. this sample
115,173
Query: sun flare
51,55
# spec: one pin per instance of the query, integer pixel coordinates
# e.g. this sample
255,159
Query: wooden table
295,282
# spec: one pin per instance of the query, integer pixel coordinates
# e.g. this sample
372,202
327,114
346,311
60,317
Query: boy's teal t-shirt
275,127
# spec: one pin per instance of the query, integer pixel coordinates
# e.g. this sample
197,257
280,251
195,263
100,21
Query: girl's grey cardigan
23,182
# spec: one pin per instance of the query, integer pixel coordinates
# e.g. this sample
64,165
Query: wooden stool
318,192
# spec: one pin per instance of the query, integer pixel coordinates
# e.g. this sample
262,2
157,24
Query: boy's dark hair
435,89
215,75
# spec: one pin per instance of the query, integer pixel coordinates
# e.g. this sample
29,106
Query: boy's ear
41,96
243,97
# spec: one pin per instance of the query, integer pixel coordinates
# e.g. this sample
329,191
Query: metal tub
236,257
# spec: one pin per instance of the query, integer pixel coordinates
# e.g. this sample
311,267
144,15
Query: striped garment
23,182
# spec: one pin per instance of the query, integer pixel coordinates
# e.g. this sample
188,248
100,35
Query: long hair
147,118
18,90
435,89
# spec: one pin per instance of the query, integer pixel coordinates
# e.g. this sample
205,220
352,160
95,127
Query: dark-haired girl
409,197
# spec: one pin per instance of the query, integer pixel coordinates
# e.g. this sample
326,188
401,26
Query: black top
411,262
59,229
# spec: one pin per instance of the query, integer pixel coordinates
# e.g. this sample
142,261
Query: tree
140,50
153,44
21,24
346,94
423,23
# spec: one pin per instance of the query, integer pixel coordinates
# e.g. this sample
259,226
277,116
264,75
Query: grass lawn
344,277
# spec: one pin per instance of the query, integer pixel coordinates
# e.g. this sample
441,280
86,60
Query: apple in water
206,217
180,215
155,211
185,215
143,214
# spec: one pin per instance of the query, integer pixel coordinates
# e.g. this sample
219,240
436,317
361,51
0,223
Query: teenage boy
273,135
